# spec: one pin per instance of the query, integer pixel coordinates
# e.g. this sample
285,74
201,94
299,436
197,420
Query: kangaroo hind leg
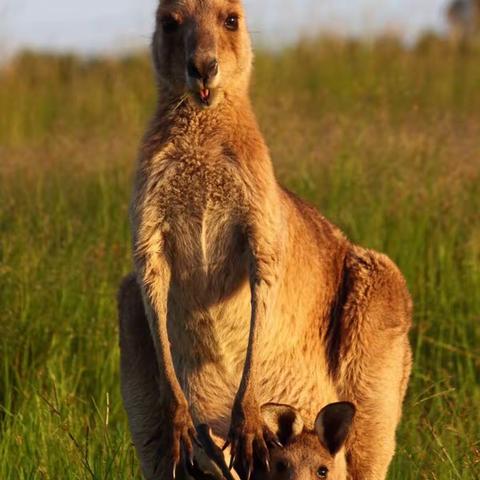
140,387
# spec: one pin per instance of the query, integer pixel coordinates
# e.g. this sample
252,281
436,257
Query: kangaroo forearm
260,298
264,274
164,355
156,291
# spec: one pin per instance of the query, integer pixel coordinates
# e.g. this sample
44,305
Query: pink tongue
204,94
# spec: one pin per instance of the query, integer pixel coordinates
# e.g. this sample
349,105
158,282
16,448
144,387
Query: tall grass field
384,140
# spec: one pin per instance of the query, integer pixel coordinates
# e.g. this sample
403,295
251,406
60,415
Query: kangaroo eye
322,472
281,466
170,24
231,23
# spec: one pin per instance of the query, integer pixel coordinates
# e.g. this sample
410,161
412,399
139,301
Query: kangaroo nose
203,70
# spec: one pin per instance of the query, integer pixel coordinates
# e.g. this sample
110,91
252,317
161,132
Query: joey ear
333,425
283,420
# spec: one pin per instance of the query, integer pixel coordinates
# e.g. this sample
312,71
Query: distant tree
464,18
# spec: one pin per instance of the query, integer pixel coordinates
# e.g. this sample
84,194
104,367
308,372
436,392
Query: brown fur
249,295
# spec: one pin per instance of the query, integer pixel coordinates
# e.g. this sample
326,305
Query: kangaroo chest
198,201
202,201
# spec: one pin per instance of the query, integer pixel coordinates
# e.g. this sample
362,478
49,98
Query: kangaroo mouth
205,94
206,97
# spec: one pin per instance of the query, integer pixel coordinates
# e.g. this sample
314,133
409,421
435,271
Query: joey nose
204,70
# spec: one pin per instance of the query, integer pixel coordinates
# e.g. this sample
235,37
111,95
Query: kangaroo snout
204,71
203,79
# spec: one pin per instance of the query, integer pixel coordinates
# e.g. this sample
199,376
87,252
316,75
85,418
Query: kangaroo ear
333,425
283,420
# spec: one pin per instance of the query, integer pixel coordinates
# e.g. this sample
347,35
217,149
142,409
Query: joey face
201,49
308,455
305,459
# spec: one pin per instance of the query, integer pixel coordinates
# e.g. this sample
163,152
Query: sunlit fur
220,246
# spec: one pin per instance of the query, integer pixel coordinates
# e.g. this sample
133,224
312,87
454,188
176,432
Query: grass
386,141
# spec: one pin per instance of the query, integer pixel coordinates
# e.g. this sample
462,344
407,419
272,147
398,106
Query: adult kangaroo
243,294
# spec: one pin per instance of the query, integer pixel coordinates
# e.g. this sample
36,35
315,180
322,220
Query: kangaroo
243,294
308,454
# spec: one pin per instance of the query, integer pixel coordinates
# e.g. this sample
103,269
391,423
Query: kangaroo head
202,50
308,454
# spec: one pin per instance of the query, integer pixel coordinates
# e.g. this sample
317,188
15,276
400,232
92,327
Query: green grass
385,141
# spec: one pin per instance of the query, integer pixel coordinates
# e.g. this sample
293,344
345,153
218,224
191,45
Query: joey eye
231,23
170,24
322,472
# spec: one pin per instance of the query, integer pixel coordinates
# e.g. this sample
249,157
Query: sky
96,26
